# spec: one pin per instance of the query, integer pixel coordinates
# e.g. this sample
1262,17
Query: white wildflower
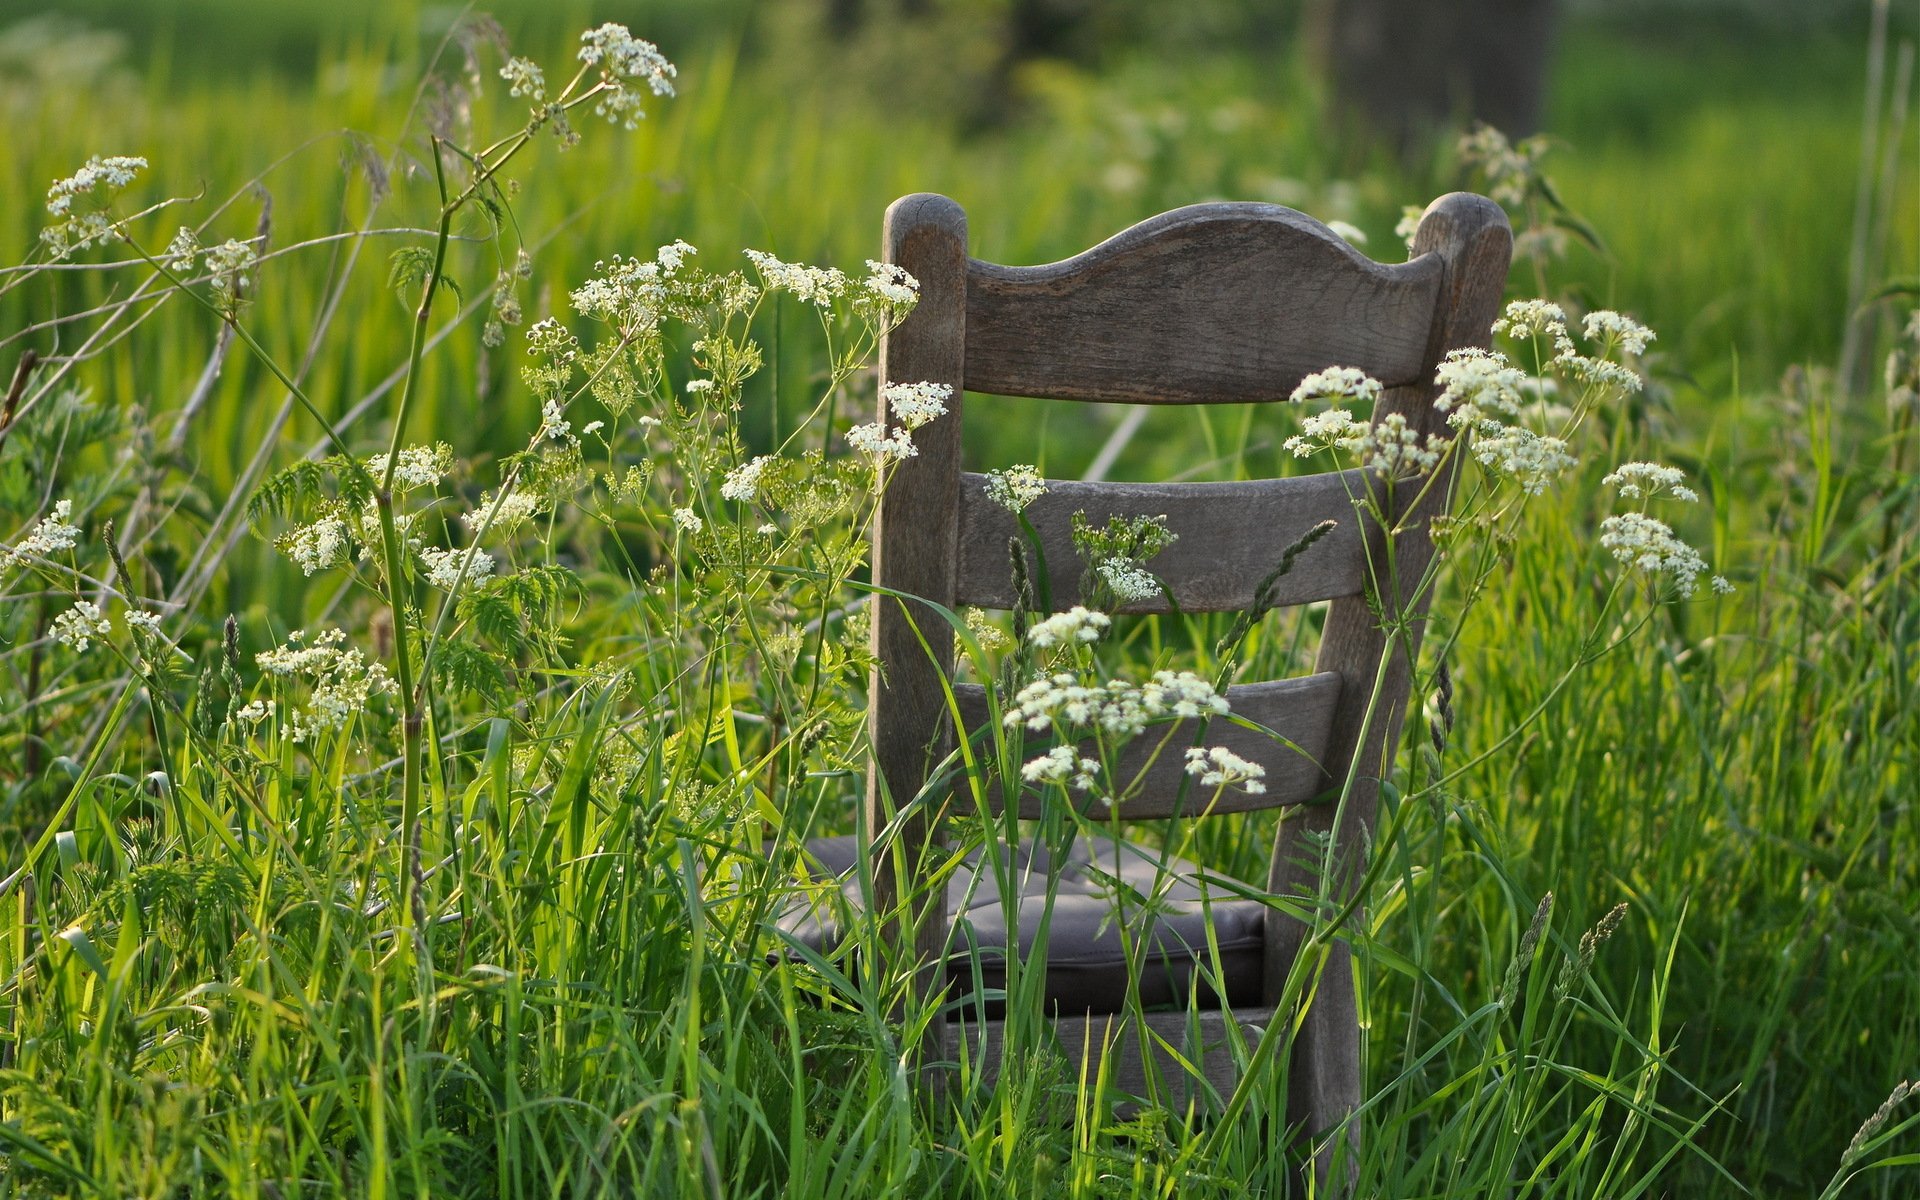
628,293
54,534
341,681
514,508
1077,624
625,60
317,546
743,482
1606,326
1015,488
183,251
811,285
79,625
1533,318
1338,384
1181,694
1649,545
890,284
1326,430
451,569
1394,448
1409,223
1129,581
143,621
554,425
228,264
671,255
1530,459
1348,232
111,174
419,466
1638,479
254,711
875,440
768,530
915,404
688,520
1601,372
1218,766
697,387
526,79
1474,380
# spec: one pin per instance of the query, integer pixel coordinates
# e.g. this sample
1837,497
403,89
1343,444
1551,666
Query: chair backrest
1213,303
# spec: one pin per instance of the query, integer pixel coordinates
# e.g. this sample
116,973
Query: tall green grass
222,1001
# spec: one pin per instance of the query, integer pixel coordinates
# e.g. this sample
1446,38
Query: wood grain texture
1215,1042
1469,236
927,235
1299,710
1231,535
1214,303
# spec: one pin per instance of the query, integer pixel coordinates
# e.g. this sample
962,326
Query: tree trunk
1404,69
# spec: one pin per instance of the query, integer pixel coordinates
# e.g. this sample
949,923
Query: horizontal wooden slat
1298,710
1213,303
1230,537
1205,1039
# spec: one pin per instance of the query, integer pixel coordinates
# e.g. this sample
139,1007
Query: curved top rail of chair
1212,303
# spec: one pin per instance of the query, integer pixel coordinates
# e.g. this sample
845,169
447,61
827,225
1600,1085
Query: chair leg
1323,1086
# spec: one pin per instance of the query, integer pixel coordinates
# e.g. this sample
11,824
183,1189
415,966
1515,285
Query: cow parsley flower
514,508
79,625
1649,545
1217,766
228,264
1394,448
54,534
1612,328
1015,488
418,467
143,621
1129,581
1336,427
624,61
451,569
341,681
1057,764
1638,479
1532,460
915,404
1077,624
743,482
183,251
688,520
819,286
101,178
884,446
317,546
889,284
525,79
1473,381
1337,384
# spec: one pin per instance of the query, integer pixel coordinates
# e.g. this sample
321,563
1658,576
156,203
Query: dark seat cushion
1086,966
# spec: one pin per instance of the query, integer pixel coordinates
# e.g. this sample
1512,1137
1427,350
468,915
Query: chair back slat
1295,717
1230,538
1209,304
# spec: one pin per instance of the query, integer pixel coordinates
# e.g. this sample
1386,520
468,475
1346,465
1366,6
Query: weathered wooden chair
1213,303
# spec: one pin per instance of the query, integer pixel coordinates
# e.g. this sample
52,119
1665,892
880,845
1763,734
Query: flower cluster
625,61
1650,545
1118,707
418,466
1337,384
317,546
873,438
54,534
227,265
1644,479
886,294
1218,766
101,179
1077,624
78,626
341,681
1057,764
1015,488
1128,580
743,482
915,404
525,78
449,570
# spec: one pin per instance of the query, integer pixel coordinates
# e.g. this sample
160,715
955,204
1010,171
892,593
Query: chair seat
1087,969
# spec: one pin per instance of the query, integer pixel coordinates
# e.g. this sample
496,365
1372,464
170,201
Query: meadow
257,940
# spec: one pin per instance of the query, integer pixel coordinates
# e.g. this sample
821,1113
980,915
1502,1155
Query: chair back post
915,542
1471,236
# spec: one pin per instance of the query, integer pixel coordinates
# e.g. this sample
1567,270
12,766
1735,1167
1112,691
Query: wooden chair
1213,303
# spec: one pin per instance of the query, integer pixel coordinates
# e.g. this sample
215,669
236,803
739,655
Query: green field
232,962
